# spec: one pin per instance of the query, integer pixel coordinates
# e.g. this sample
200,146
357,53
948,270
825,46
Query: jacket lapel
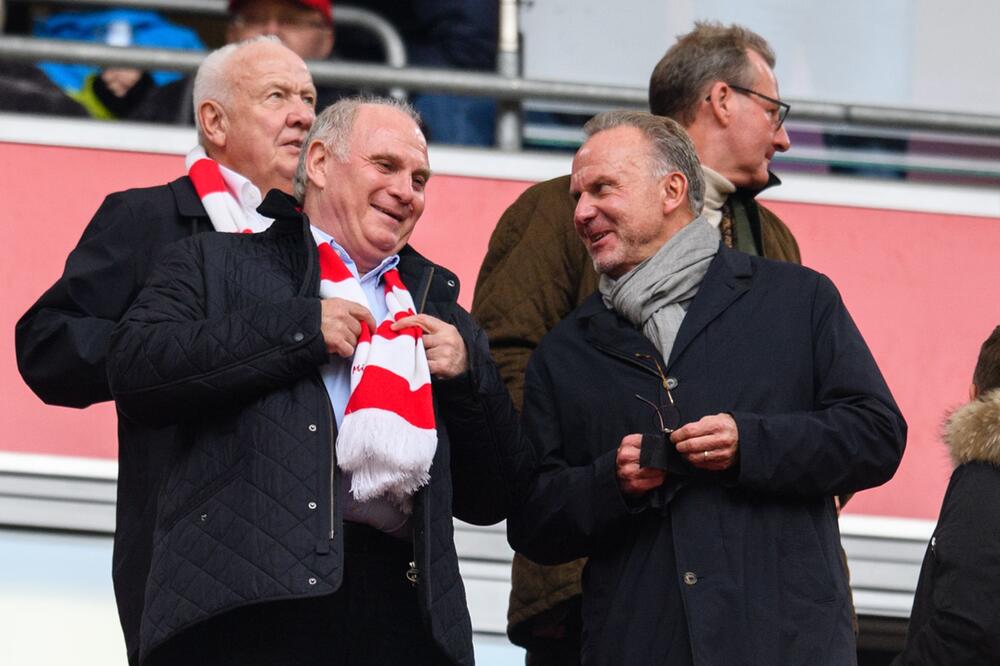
729,277
607,331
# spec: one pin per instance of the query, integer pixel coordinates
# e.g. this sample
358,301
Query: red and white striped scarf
388,437
223,209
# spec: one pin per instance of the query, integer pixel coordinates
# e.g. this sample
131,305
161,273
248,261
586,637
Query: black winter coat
62,343
225,342
744,564
956,608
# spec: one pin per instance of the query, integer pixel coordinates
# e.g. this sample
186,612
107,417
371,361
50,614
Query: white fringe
385,455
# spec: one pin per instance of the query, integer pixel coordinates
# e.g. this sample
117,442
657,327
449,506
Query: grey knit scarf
655,295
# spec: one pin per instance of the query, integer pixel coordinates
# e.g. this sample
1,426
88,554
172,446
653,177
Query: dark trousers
372,620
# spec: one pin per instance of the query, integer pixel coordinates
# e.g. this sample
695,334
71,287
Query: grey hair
333,128
213,80
670,148
711,52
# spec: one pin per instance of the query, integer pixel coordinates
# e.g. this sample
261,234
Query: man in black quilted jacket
335,409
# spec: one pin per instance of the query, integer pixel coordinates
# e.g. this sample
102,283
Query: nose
782,141
584,211
301,114
401,187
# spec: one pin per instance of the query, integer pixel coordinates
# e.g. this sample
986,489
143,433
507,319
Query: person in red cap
304,26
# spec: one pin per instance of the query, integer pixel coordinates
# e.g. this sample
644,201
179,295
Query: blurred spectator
114,92
26,89
956,608
304,26
450,34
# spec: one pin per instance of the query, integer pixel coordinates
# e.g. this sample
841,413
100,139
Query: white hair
213,80
333,128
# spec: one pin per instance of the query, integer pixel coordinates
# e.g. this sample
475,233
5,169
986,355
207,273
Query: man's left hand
446,354
709,443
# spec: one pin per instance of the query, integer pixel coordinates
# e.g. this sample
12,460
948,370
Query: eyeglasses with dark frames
778,115
666,412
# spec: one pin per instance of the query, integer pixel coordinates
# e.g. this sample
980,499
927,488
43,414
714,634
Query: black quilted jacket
225,342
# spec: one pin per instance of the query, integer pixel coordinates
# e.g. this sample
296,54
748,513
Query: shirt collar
246,193
376,273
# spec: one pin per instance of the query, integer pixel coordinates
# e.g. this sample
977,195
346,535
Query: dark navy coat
744,565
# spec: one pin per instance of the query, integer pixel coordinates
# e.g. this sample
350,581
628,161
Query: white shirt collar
247,194
376,273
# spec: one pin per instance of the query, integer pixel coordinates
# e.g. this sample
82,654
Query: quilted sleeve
62,340
169,361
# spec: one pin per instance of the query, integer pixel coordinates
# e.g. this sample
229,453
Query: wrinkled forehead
610,153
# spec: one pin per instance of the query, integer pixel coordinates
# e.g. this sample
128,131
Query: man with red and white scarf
336,409
255,103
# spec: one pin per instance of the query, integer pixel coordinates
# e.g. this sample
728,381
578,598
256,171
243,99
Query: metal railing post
508,131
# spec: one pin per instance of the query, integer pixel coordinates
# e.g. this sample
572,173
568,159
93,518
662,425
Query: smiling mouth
398,217
598,236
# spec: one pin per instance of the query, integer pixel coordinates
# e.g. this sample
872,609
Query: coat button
451,283
298,337
312,505
312,581
671,383
690,578
312,427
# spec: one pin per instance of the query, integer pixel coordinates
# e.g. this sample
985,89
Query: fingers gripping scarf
388,437
222,208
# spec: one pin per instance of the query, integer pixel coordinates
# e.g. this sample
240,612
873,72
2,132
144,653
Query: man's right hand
632,479
341,325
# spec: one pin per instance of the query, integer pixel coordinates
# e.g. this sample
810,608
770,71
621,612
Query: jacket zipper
634,360
333,468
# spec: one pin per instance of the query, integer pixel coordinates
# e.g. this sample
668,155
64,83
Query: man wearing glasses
716,81
693,421
304,26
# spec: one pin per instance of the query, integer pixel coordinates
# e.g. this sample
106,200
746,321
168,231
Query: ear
973,391
673,192
213,122
720,102
317,157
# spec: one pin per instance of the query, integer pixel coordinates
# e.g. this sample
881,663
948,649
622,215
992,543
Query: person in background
718,82
255,102
956,607
304,26
444,34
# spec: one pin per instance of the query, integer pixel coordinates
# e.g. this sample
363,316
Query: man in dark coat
273,541
62,340
956,608
536,270
693,421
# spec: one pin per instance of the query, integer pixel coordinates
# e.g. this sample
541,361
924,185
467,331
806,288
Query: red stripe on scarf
331,266
380,389
385,331
206,177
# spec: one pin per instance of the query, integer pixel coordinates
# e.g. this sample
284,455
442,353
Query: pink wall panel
923,288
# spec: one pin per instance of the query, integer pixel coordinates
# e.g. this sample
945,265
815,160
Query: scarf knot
655,295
